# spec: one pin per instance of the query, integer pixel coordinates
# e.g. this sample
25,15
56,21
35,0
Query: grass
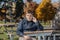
4,36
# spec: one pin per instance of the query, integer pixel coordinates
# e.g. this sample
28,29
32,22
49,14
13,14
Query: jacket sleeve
20,29
39,26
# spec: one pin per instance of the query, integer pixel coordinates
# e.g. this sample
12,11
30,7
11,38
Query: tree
45,10
19,8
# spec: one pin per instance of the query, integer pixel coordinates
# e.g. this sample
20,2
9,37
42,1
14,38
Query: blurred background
12,11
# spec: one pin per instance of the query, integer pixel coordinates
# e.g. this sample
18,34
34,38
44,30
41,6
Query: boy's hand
34,19
27,37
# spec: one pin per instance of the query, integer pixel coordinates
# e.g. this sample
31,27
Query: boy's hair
29,0
30,12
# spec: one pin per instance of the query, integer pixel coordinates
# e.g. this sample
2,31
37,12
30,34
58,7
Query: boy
29,23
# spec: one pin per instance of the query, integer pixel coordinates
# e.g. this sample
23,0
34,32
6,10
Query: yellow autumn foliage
45,10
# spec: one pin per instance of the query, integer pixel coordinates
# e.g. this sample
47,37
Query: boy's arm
20,29
39,26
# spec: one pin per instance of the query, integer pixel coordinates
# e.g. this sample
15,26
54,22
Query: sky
38,1
51,0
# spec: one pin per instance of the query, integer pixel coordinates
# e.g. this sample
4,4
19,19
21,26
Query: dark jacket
25,25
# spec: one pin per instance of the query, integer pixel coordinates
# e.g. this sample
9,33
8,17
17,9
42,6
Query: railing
44,34
38,34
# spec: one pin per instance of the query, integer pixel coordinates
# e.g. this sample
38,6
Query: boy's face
29,16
